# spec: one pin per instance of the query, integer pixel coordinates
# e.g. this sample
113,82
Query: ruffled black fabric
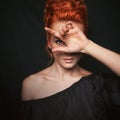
86,99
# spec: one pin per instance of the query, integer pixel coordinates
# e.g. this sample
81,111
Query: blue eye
59,42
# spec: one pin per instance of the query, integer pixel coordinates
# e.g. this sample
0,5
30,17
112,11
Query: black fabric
87,99
23,42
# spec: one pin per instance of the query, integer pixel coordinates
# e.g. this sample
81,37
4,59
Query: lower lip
68,60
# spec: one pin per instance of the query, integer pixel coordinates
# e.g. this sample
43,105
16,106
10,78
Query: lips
68,60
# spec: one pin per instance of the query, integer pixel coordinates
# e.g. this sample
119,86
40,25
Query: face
65,60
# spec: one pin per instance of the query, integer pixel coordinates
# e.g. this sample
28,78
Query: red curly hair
67,10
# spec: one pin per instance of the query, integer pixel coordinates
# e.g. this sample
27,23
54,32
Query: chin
68,66
68,63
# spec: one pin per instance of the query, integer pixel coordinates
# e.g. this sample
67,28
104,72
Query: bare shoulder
31,84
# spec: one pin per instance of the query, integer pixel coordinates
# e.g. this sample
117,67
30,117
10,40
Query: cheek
52,44
57,55
78,57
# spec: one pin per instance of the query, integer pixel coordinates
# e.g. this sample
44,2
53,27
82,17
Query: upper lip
67,58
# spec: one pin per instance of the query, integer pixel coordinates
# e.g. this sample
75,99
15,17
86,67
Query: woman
64,90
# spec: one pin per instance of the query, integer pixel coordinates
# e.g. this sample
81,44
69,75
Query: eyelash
59,42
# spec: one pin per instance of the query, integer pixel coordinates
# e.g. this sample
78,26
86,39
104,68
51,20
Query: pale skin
82,44
65,70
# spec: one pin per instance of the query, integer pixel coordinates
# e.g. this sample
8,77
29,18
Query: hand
72,36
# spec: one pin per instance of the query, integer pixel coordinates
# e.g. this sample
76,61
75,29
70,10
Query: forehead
59,24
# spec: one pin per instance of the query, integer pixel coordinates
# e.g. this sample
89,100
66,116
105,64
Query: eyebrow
54,37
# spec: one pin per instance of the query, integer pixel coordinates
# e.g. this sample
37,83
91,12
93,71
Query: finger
71,27
68,28
64,30
60,49
70,24
62,33
53,32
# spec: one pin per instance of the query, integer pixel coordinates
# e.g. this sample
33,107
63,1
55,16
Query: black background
23,45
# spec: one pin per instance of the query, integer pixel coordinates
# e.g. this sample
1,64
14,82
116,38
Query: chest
50,88
74,103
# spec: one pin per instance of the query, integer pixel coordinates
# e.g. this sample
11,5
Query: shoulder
104,80
30,85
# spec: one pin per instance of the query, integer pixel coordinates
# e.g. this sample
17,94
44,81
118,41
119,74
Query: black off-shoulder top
87,99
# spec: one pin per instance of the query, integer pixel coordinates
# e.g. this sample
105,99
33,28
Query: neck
62,72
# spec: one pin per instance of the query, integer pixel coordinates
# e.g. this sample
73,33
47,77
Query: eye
59,42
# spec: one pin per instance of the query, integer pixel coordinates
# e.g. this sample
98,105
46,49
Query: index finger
53,32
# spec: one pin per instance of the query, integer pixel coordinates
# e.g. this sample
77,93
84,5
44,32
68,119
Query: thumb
60,49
